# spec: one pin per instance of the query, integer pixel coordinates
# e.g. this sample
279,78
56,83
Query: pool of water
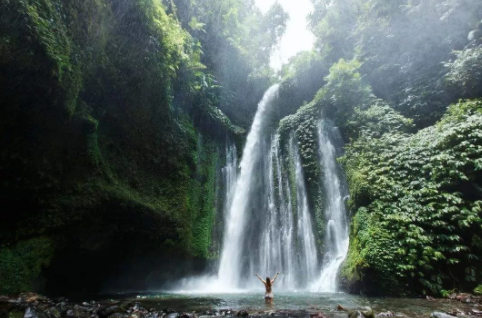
311,302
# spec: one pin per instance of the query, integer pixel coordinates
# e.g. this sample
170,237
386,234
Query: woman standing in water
268,284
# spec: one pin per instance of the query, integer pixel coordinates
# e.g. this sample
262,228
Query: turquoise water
310,302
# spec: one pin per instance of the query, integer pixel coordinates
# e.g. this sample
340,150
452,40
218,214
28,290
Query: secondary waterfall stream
336,237
268,222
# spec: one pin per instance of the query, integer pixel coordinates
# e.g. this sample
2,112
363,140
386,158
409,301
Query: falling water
307,250
230,268
336,237
265,231
267,219
230,174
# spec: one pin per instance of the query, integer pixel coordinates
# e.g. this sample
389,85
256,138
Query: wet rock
456,312
126,306
365,312
16,313
437,314
109,311
53,312
317,315
341,308
30,313
385,314
4,299
32,297
173,315
242,313
355,314
168,310
60,300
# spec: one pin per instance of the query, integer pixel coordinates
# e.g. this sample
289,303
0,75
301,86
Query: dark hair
268,281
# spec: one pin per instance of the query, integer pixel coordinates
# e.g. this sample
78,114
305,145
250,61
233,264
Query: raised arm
260,279
274,278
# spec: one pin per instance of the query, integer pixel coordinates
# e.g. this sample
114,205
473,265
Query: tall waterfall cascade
336,190
268,224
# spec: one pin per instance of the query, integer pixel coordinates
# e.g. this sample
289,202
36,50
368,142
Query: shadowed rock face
97,170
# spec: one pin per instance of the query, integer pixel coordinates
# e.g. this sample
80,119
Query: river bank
299,305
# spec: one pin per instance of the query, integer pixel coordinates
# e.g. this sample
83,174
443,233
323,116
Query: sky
297,38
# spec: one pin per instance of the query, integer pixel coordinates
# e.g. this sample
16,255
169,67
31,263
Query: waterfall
286,218
231,264
229,173
265,231
307,248
268,224
336,234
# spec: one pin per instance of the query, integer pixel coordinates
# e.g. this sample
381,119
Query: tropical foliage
113,130
423,192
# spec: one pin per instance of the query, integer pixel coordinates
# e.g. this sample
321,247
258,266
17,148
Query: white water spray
336,237
230,267
268,223
307,247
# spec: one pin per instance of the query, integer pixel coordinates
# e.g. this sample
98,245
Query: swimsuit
268,296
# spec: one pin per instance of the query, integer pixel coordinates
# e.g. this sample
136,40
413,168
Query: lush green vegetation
113,132
115,116
420,193
412,162
402,46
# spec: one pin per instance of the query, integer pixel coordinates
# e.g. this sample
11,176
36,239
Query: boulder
364,312
317,315
437,314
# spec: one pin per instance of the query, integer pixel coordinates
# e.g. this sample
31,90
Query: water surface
309,302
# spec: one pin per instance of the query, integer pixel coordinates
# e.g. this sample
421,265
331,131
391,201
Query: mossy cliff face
302,128
94,156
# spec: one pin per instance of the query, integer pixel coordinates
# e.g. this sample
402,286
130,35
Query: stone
4,299
364,312
30,313
317,315
355,314
53,312
437,314
341,308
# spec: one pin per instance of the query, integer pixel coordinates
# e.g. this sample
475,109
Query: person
268,285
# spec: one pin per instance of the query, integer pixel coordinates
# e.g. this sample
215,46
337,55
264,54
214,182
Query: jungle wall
110,152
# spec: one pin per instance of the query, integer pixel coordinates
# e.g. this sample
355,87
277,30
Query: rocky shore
30,305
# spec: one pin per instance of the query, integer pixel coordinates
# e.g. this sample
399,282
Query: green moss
420,191
16,313
94,136
44,16
478,290
22,264
304,125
